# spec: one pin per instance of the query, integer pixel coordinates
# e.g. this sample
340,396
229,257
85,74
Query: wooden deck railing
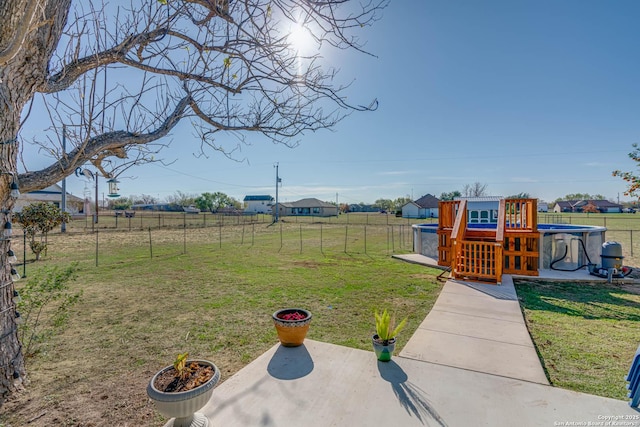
500,226
521,214
447,212
521,253
460,225
478,261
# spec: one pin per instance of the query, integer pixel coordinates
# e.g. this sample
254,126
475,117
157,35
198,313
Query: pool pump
612,267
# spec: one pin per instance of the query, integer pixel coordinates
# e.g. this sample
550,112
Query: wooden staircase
484,254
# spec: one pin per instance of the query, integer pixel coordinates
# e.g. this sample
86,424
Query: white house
51,194
307,207
424,207
258,204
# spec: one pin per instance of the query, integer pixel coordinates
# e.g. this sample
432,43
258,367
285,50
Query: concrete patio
470,362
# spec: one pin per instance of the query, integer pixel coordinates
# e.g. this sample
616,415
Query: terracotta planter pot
291,333
183,405
383,352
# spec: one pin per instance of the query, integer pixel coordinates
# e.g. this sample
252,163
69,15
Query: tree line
206,202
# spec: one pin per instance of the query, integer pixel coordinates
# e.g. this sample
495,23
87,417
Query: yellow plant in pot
384,341
181,389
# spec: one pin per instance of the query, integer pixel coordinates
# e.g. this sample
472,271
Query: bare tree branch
99,147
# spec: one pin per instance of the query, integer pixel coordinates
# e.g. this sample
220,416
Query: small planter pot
183,405
383,352
291,333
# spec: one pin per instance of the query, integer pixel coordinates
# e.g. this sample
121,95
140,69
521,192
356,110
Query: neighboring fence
370,233
611,221
143,220
324,238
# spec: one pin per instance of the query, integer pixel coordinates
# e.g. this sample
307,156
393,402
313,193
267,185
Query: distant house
158,207
543,207
51,194
362,208
258,204
425,207
307,207
603,206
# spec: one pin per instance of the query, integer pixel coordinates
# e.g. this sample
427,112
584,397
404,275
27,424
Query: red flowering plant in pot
292,325
181,389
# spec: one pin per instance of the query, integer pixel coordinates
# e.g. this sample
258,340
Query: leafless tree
474,190
144,199
181,199
121,75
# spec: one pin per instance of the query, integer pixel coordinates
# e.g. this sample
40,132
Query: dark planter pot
383,352
183,405
291,333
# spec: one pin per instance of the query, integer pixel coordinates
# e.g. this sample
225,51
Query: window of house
473,217
316,210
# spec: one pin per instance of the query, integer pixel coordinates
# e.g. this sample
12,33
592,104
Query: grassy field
622,228
151,293
586,334
215,301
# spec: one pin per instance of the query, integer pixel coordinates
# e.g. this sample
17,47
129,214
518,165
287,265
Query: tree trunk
29,33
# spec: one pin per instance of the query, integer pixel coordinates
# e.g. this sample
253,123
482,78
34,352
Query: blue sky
540,97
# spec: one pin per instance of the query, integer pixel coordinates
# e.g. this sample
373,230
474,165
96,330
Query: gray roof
257,198
308,203
582,203
481,198
427,201
53,193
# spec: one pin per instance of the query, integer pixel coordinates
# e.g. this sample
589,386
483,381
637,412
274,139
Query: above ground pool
562,246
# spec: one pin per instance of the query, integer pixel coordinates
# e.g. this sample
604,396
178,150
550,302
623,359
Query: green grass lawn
214,301
211,292
586,334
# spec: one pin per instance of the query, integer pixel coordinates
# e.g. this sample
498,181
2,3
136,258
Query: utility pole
97,210
63,227
278,181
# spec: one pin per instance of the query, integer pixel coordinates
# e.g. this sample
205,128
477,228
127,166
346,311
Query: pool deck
470,362
581,275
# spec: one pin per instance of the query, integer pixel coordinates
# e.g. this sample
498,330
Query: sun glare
301,40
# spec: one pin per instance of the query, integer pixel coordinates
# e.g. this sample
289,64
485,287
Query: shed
258,204
482,210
